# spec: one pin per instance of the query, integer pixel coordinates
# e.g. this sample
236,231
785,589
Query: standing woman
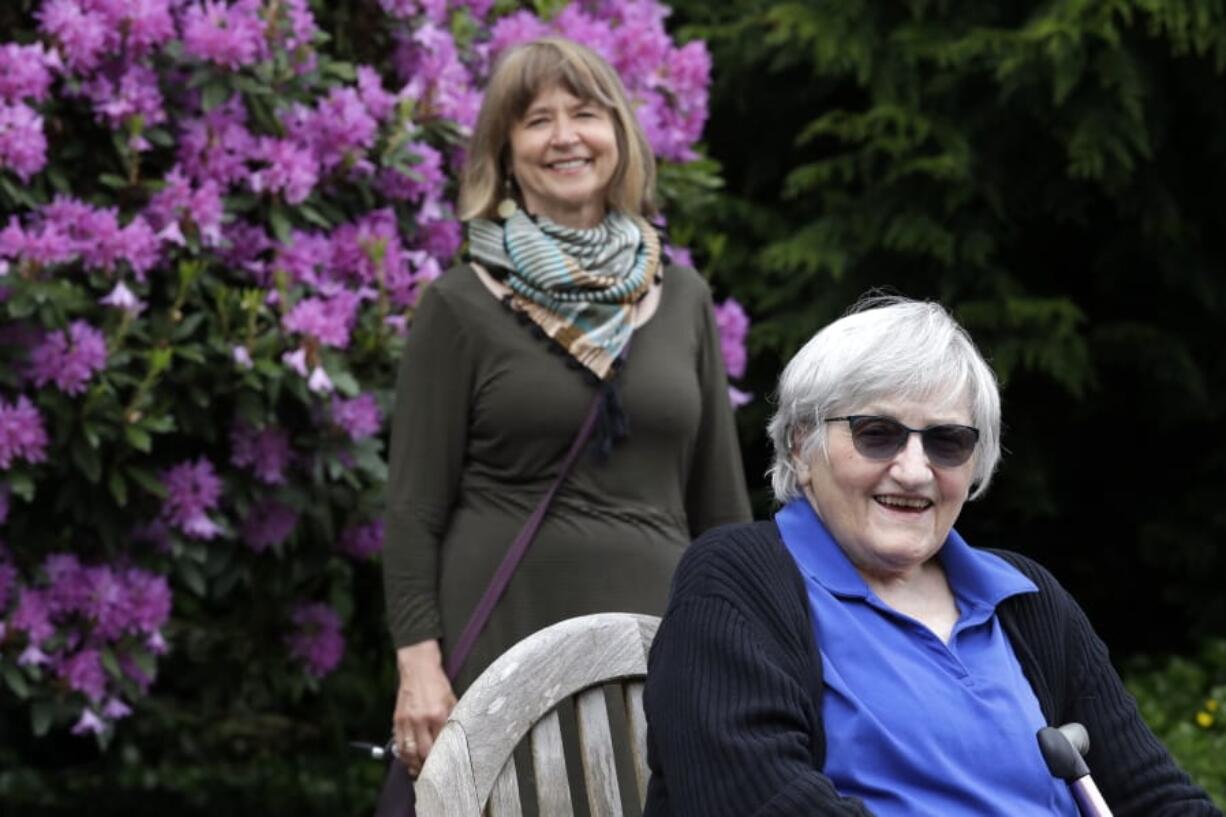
565,295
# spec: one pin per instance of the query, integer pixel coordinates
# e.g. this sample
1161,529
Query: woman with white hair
855,655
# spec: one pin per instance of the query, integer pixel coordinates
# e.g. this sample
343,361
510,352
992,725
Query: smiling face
889,516
563,156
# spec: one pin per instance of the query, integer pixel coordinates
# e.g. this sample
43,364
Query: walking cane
1063,749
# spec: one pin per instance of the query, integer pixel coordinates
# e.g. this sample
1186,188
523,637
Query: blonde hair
520,75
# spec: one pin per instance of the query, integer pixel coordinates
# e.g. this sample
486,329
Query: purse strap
515,553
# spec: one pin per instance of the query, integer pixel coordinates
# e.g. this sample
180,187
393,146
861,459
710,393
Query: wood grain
516,695
596,751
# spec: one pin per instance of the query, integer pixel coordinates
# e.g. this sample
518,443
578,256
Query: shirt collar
979,580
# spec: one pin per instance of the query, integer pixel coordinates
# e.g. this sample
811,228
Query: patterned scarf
578,286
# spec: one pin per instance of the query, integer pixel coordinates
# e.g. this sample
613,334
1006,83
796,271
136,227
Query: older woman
565,296
855,656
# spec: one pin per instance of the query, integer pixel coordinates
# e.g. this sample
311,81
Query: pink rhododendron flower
115,709
290,170
217,145
33,615
266,452
518,27
22,435
89,723
146,24
192,490
196,204
317,641
440,240
361,541
680,256
32,656
26,72
431,66
83,36
340,131
319,382
307,259
268,524
23,147
135,93
427,180
733,325
147,605
230,36
370,90
327,320
123,299
69,358
296,361
359,418
83,673
296,25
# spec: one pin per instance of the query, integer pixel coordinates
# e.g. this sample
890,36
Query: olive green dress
485,412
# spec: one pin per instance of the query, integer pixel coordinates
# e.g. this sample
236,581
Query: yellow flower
1204,720
1211,705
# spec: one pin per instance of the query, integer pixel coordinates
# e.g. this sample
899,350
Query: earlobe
801,467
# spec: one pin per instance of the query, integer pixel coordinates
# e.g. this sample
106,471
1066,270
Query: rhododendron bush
217,217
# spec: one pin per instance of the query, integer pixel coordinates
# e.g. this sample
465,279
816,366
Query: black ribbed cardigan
734,687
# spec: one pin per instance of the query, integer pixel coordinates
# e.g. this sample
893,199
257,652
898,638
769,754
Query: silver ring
410,745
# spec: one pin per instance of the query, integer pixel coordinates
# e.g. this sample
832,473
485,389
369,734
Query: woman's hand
423,702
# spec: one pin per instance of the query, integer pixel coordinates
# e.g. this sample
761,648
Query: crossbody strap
515,553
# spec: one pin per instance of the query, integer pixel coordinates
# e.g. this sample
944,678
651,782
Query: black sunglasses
881,438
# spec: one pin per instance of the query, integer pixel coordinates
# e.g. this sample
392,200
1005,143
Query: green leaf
111,664
90,431
160,137
42,713
16,680
188,326
87,460
138,438
192,576
281,226
314,216
341,70
159,424
21,484
159,360
216,92
119,488
345,383
146,479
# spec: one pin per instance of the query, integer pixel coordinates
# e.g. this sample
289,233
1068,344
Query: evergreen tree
1048,171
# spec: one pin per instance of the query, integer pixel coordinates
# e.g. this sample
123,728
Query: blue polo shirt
914,726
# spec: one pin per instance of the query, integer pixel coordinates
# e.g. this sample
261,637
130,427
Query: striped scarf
578,286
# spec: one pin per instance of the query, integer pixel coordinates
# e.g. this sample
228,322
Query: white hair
884,348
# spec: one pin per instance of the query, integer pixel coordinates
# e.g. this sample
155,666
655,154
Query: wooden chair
471,771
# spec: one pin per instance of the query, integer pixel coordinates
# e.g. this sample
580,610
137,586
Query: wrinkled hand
423,702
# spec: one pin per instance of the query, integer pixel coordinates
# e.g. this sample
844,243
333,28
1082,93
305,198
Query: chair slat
504,798
637,723
596,749
549,768
445,787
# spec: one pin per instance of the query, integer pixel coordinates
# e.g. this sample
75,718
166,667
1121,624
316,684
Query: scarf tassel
612,424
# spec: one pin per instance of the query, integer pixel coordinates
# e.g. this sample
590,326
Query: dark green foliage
1185,703
1050,172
